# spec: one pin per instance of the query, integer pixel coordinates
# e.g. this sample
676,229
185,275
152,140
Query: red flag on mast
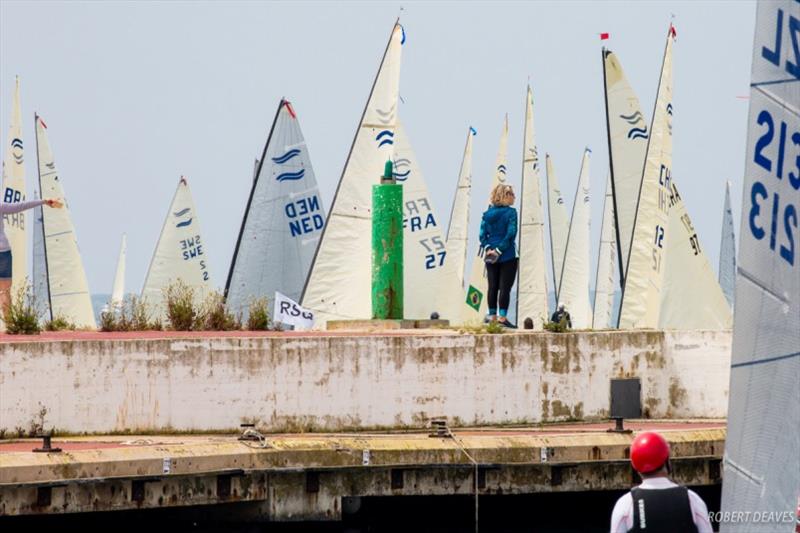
604,36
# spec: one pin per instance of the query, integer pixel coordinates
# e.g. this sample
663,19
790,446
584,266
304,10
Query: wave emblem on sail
761,461
283,220
291,176
339,281
66,279
16,151
288,156
401,169
180,254
532,298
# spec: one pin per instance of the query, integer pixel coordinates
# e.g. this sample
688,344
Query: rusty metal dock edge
339,383
306,477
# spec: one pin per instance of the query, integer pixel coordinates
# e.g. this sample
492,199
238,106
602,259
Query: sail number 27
769,213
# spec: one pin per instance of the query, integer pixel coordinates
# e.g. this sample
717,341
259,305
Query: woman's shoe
506,323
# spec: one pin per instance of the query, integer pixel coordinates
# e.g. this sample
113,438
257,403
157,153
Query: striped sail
559,224
458,228
15,190
339,281
180,254
691,296
425,255
66,279
574,284
532,281
606,258
642,291
762,463
628,134
41,291
118,289
283,220
727,250
475,304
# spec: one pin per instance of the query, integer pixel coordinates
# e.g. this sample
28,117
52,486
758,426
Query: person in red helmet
657,505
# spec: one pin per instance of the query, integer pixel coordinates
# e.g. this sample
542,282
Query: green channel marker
387,247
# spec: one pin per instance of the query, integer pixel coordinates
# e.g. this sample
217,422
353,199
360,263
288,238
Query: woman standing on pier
5,247
497,236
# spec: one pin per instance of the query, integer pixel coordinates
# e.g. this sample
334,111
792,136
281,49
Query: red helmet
649,452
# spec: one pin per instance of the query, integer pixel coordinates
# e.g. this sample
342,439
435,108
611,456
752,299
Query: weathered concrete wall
335,383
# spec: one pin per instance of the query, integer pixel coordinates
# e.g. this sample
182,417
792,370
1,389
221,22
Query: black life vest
662,510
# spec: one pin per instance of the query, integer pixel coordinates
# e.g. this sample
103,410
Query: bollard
387,247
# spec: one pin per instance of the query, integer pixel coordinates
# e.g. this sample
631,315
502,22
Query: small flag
473,130
289,108
604,36
43,124
474,298
673,32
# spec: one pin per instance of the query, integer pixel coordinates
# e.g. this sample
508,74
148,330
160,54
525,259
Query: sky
136,94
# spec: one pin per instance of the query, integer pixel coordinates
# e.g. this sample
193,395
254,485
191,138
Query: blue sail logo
287,156
385,137
16,150
402,169
291,176
182,212
639,129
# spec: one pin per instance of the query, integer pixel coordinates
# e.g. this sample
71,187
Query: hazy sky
136,94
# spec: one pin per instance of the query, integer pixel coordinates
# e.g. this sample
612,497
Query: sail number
192,248
771,215
303,216
773,54
15,220
436,247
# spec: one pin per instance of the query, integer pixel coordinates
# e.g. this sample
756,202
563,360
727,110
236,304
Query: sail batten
532,281
68,290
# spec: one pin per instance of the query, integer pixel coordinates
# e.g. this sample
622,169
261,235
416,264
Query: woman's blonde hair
502,194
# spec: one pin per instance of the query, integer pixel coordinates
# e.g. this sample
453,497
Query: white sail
559,223
118,289
532,281
15,190
339,282
606,258
180,254
642,292
628,133
41,292
458,228
425,255
66,279
475,305
574,284
762,463
691,296
283,220
727,250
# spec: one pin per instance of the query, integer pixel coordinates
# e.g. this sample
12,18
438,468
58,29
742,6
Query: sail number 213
770,215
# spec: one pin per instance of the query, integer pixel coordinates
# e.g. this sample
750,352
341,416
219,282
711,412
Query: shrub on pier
182,312
59,323
215,315
258,315
22,315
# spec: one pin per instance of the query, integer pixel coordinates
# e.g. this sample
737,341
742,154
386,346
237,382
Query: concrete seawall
335,383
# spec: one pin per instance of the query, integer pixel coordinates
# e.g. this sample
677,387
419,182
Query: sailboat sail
762,464
118,289
338,285
282,222
606,257
180,254
476,305
574,284
727,250
458,229
559,224
532,282
66,279
628,134
41,291
688,275
14,190
642,291
425,255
